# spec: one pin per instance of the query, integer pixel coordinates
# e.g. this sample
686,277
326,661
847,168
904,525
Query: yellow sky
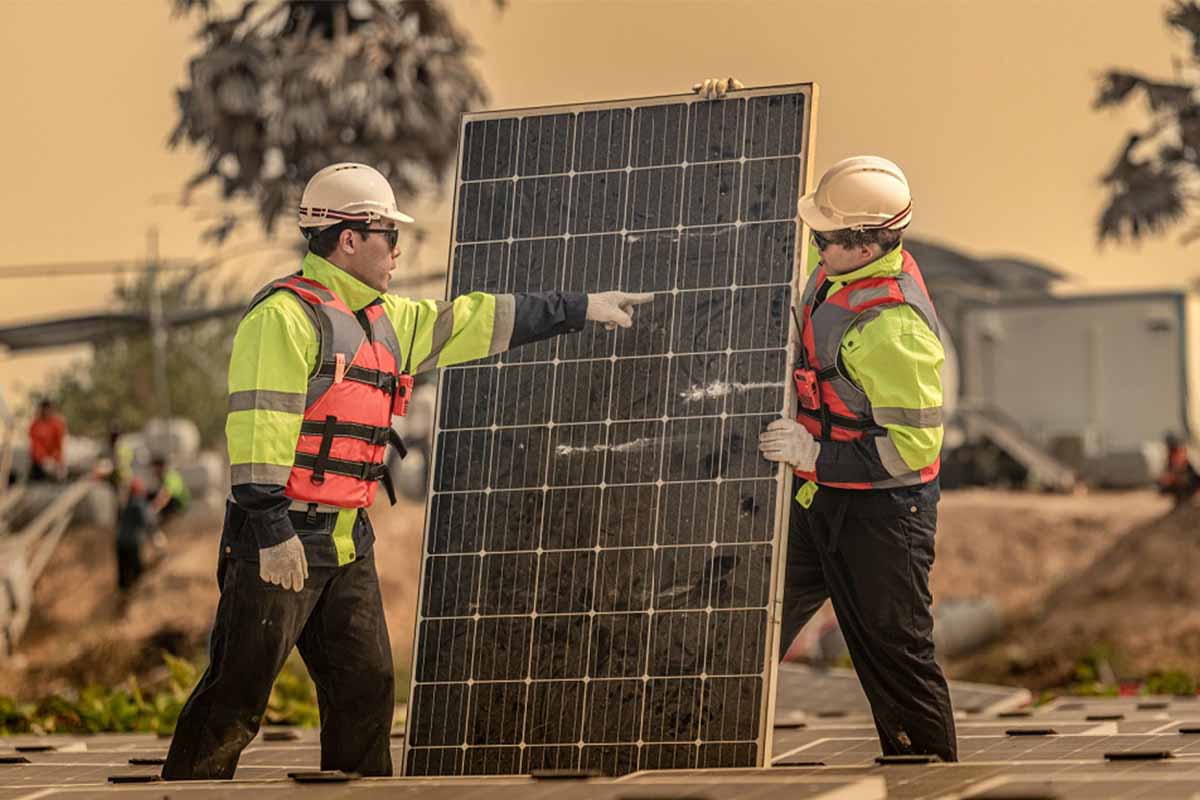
986,106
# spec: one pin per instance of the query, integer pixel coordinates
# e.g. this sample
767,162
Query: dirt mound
1016,546
1137,599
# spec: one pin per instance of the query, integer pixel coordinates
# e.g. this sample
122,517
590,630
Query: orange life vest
352,394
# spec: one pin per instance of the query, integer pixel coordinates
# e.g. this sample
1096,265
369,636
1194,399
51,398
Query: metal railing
25,553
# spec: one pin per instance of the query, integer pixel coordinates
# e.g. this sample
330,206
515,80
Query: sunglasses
823,241
390,235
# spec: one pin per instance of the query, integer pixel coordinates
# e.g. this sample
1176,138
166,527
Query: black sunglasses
822,241
390,235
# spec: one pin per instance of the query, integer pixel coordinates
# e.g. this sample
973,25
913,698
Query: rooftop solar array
600,547
1053,751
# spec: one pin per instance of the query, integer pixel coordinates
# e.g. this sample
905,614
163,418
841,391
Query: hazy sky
986,106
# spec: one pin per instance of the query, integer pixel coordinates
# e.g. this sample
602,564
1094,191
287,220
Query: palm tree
1151,184
284,88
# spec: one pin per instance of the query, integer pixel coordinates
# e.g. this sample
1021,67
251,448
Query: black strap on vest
383,381
322,459
362,470
395,441
386,480
371,434
827,417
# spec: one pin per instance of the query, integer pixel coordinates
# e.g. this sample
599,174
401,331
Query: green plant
129,707
293,697
1172,681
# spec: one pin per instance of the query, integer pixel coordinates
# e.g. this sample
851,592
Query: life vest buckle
385,382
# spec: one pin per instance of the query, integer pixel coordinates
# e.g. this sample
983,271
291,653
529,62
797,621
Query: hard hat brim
813,217
399,217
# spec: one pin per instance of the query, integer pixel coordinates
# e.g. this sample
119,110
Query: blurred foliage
293,697
1173,681
284,88
1151,183
115,387
96,709
1094,675
129,707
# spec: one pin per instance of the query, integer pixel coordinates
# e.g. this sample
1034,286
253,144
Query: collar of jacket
353,292
887,265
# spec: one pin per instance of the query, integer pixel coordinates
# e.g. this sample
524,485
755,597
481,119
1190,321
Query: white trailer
1096,380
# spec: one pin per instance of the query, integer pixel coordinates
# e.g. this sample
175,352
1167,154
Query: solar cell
600,549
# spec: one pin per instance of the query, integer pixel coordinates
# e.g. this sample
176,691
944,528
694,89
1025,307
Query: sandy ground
1137,603
1016,547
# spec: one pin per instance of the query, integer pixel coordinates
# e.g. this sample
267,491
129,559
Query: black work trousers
337,623
876,571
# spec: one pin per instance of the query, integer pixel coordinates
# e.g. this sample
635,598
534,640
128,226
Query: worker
134,524
170,494
117,466
47,433
865,447
1179,479
320,361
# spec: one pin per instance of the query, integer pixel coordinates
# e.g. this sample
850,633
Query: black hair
325,241
885,238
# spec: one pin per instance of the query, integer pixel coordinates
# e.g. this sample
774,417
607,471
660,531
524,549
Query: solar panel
836,751
600,544
833,691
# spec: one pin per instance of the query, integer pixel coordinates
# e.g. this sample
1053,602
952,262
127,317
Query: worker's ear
346,241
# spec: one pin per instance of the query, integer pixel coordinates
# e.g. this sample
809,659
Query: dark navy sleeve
540,315
266,509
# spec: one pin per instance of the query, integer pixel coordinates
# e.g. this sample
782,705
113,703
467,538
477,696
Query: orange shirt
46,436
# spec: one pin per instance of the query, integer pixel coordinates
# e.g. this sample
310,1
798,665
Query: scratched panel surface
601,534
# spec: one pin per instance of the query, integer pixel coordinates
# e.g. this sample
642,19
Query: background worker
865,448
170,493
134,524
117,466
1179,478
47,434
313,384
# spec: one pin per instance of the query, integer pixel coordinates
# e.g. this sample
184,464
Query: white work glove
615,308
788,441
284,564
715,88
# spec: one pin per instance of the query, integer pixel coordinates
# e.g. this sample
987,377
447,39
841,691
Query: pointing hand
615,308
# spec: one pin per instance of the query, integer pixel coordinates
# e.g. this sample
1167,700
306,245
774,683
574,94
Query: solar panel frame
534,163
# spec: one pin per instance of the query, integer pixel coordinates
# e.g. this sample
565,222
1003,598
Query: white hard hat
860,193
348,192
